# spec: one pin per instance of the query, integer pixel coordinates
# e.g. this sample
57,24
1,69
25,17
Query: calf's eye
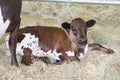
74,31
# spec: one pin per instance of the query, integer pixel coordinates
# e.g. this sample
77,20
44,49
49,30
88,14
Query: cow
68,43
9,23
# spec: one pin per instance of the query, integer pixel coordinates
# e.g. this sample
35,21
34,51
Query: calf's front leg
98,47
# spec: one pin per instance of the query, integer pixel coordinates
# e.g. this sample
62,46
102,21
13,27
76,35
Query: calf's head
77,29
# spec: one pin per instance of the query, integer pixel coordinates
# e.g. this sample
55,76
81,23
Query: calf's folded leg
98,47
26,58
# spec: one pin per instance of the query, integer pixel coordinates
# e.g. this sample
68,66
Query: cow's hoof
14,63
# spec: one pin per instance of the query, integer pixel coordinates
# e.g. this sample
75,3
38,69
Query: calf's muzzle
82,40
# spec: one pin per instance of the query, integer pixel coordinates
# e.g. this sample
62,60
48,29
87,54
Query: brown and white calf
9,22
69,43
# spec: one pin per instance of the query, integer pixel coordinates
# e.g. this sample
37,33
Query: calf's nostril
82,40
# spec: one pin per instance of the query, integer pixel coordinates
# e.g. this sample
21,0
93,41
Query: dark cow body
70,43
10,15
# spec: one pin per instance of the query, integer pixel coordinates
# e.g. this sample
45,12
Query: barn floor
94,66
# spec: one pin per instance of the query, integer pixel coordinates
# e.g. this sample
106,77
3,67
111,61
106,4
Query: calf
67,43
9,22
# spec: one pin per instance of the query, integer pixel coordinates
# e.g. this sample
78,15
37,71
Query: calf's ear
65,25
90,23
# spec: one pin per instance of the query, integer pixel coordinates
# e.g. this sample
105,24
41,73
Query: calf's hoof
109,51
58,62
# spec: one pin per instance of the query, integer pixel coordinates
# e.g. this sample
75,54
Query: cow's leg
13,40
12,44
26,58
98,47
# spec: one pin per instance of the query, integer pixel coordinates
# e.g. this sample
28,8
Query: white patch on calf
81,56
3,25
29,41
54,55
70,53
50,54
6,42
86,49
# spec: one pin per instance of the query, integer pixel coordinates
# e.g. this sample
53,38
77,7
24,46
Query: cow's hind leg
12,45
98,47
13,40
